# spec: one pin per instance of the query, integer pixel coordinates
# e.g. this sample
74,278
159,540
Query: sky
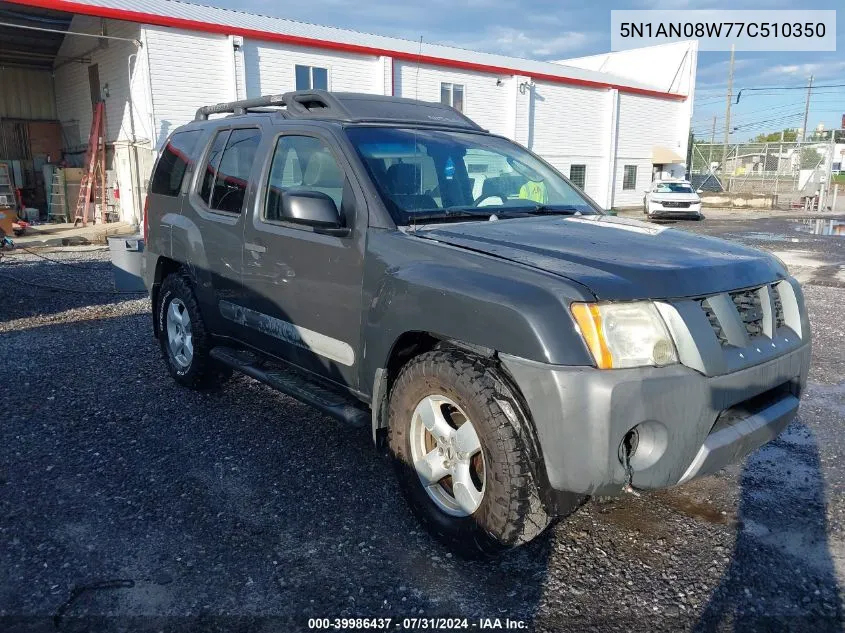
561,29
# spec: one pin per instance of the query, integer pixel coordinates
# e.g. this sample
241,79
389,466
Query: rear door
166,192
222,188
303,287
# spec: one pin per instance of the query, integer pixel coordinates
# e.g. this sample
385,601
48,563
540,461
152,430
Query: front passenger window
302,163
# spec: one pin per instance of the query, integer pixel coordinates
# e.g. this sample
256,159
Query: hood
616,258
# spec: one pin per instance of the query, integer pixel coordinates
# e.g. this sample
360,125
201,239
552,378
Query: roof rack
347,107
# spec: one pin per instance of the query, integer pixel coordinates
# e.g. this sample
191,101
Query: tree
790,135
810,158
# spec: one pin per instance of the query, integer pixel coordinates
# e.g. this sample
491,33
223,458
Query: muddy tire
504,510
184,341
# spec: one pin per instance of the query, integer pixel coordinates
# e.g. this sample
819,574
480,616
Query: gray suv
392,264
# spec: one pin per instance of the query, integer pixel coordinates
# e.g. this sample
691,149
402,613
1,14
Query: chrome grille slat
714,322
750,310
780,320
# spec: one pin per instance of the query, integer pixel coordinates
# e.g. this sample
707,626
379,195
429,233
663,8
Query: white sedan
672,199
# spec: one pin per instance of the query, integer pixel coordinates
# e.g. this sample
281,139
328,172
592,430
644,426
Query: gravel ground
150,507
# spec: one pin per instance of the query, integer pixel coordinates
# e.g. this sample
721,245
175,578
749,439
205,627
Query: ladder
58,206
8,197
95,168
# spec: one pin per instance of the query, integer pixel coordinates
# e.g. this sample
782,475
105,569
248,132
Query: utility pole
728,99
712,142
807,109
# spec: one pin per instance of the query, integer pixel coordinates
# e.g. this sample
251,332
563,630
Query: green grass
838,179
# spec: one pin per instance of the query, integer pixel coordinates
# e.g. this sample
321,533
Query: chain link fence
796,174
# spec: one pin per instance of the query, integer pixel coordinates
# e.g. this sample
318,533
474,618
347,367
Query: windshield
673,187
430,174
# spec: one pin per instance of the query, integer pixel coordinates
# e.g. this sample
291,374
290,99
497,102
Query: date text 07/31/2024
415,624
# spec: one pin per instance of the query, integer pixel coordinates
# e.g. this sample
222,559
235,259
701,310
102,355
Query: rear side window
227,170
174,161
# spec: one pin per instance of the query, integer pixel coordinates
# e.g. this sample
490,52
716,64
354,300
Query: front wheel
461,463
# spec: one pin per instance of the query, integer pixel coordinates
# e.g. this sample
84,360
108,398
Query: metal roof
174,13
23,48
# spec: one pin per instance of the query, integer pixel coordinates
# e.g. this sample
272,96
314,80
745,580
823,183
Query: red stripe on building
296,40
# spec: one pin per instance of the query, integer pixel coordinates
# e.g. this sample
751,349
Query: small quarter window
228,168
174,162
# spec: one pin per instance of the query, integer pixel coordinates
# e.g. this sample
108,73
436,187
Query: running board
296,385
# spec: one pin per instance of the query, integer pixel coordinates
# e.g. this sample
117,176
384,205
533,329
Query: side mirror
699,191
313,208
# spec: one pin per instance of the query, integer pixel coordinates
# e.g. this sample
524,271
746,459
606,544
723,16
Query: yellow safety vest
535,191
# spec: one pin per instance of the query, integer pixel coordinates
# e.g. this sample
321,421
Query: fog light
644,444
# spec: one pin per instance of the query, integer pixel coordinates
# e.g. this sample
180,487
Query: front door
303,287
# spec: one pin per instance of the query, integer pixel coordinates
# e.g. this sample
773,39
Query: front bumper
690,424
657,210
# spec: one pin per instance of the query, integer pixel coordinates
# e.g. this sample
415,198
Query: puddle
835,228
697,510
760,236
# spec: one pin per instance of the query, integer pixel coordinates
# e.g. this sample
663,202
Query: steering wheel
484,197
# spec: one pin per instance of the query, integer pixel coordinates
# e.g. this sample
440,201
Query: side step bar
296,385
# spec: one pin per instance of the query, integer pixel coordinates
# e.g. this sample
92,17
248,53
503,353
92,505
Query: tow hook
628,447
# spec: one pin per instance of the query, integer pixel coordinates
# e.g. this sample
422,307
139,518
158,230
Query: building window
452,95
629,178
578,175
312,78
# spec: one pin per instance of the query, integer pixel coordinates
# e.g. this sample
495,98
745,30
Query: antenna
419,57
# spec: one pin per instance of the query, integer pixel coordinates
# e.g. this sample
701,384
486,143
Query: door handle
255,248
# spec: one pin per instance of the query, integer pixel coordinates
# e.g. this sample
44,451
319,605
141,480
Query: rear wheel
184,341
461,463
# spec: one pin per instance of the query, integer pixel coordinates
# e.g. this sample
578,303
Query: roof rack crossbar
239,107
347,108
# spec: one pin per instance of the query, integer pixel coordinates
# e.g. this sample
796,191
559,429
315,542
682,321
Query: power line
739,94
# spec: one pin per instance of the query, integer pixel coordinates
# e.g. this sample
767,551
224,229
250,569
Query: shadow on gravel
130,503
37,287
781,575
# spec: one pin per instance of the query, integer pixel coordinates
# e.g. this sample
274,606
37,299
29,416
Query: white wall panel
270,69
646,123
187,70
484,101
568,127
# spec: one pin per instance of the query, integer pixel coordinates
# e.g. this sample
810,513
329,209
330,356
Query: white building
608,121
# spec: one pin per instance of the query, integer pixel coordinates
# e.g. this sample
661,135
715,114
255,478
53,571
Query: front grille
750,310
780,320
672,204
714,322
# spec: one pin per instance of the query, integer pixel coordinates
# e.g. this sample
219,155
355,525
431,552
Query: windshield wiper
546,209
449,213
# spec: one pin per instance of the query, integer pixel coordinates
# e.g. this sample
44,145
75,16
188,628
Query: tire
509,512
196,369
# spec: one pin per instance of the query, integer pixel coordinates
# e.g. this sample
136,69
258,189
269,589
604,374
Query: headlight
625,334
